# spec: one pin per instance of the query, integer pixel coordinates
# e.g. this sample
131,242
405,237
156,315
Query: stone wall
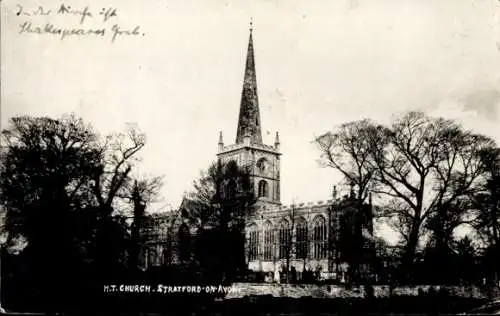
333,291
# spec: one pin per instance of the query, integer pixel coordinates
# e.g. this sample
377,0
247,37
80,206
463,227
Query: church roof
249,117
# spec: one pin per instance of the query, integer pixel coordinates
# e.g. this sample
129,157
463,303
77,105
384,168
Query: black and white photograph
266,157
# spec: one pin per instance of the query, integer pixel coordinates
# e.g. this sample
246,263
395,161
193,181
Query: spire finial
251,25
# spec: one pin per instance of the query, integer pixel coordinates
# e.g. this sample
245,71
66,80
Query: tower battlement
235,147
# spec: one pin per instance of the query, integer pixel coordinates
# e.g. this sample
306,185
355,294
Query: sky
318,63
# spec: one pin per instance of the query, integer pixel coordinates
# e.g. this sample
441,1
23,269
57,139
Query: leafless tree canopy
426,170
348,151
118,155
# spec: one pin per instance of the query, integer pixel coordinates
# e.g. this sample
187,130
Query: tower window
263,189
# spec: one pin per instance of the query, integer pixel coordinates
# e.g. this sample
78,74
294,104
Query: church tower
249,151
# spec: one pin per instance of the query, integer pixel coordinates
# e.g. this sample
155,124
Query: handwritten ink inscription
79,17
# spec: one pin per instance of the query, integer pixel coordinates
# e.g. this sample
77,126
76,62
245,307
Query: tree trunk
409,255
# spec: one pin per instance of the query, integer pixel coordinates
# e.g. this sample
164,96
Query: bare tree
424,170
487,201
487,211
45,163
119,154
459,174
58,186
404,160
348,151
225,199
427,167
140,193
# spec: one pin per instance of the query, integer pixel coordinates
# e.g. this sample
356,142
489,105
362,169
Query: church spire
249,118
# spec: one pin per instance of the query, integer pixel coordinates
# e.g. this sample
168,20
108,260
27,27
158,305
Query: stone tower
249,151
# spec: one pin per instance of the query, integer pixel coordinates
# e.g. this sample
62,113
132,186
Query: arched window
302,242
268,242
284,240
253,243
319,238
263,188
184,243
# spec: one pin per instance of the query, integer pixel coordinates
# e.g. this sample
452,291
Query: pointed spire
249,118
221,141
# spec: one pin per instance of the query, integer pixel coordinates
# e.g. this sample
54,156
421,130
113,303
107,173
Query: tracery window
253,243
302,240
319,238
268,242
284,240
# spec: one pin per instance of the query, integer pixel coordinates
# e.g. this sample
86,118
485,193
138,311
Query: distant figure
307,276
283,275
317,273
293,273
268,277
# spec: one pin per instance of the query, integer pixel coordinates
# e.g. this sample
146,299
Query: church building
298,237
279,237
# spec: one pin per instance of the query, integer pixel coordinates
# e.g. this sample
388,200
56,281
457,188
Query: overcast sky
319,63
